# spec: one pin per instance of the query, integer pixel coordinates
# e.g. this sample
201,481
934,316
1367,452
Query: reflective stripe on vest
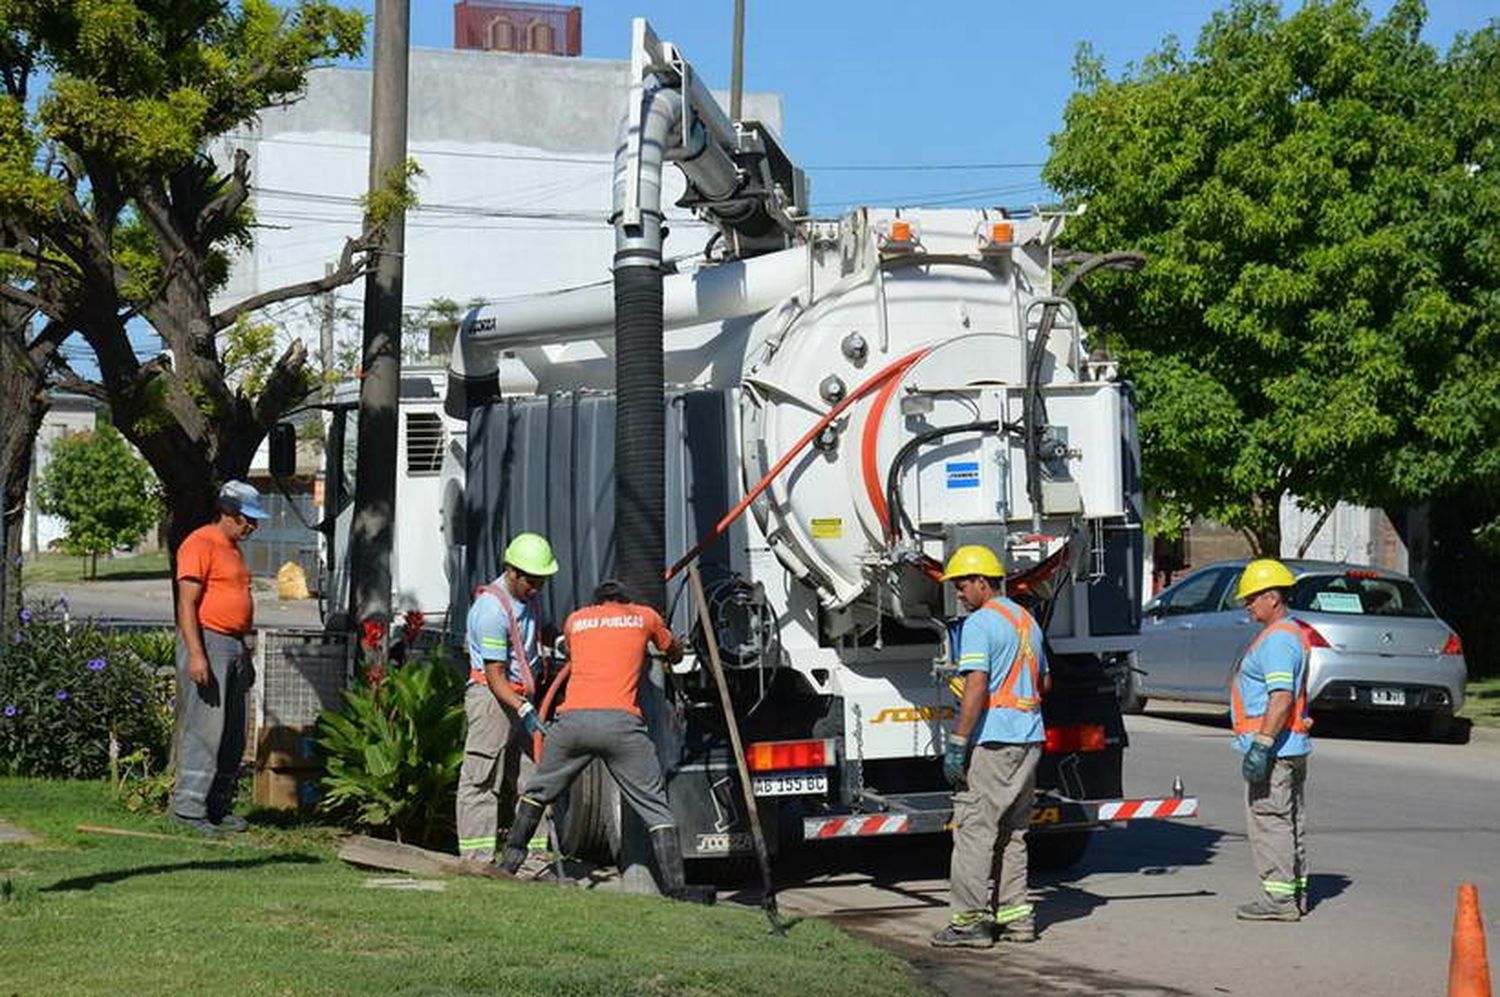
527,685
1005,697
1300,722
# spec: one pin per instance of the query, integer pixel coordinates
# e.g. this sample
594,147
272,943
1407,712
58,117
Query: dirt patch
10,834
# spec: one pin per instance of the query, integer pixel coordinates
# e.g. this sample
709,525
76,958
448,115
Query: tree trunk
1461,578
23,403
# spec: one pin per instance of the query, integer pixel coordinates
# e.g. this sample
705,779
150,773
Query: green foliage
247,353
106,494
394,750
77,702
1319,196
396,192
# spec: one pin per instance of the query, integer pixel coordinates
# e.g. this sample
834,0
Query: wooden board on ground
377,853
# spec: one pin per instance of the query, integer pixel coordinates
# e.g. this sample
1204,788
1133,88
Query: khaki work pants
497,756
990,818
1275,817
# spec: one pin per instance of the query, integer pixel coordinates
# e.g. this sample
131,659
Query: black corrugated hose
640,430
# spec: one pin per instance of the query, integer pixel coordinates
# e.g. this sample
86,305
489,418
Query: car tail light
1076,737
1313,637
771,756
1454,645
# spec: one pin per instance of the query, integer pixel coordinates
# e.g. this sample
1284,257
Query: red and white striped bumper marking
1172,806
856,827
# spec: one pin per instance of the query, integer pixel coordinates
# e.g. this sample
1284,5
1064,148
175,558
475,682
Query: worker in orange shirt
599,718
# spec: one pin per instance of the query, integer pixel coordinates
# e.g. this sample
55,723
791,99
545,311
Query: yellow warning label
828,529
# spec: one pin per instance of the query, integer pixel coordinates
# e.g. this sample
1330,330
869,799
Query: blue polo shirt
487,632
990,644
1275,662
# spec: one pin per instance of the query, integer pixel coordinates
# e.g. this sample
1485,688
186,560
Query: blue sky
886,83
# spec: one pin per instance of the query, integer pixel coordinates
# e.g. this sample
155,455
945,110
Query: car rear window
1358,595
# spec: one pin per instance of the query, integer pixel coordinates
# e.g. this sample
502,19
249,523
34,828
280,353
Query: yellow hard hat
1262,574
972,559
531,553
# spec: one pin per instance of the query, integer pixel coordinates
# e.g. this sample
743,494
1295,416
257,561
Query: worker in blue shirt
991,757
1268,709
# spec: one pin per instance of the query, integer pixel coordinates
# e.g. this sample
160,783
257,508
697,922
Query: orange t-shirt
209,557
607,646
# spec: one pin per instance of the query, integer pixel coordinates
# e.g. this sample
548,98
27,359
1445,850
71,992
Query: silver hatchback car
1377,646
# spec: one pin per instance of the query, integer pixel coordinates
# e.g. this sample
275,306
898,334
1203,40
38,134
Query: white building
67,415
517,153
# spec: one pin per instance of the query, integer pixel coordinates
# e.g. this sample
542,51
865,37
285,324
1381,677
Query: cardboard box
288,789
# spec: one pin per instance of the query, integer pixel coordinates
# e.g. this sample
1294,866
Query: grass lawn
1482,702
278,914
55,567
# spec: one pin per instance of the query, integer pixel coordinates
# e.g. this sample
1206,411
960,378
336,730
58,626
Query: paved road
1395,827
149,600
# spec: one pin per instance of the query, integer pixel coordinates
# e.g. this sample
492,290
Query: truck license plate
1388,697
790,783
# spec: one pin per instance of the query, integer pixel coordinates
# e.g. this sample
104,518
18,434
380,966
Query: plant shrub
393,751
74,698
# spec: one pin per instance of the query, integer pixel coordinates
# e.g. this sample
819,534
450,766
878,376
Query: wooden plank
122,832
377,853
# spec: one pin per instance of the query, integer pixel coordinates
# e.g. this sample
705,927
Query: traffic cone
1469,966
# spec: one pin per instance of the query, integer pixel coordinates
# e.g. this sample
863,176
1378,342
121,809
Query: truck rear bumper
932,813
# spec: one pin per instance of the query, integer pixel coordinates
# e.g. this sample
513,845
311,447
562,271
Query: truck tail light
772,756
1313,637
1076,737
1454,645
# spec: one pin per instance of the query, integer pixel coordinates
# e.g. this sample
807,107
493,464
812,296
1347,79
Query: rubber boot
518,841
668,852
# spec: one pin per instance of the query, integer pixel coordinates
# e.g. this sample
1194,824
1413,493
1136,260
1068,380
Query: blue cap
242,498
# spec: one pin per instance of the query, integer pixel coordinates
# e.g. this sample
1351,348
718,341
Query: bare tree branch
68,380
216,214
28,300
349,269
49,339
285,385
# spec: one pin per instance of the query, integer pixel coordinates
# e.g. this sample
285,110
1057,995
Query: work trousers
211,727
990,818
1276,819
619,739
497,756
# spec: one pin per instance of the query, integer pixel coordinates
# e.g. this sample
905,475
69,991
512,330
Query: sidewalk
150,601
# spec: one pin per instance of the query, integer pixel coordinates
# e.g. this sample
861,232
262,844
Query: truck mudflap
932,813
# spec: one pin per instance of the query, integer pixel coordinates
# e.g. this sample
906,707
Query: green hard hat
531,553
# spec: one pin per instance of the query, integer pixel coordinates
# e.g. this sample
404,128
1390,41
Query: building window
540,37
424,443
500,34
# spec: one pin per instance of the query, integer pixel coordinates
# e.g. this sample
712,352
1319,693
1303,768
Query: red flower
415,621
375,674
373,634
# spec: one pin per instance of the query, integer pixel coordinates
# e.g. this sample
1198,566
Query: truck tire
588,823
1056,850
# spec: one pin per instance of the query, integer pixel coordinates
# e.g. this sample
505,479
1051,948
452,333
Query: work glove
530,717
1256,767
955,755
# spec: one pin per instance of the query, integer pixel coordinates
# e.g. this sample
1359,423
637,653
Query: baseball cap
240,497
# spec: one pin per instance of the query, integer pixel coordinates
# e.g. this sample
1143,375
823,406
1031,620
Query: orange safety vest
1005,697
1300,722
527,685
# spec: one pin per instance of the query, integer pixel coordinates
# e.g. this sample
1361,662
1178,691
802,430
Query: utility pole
380,380
737,82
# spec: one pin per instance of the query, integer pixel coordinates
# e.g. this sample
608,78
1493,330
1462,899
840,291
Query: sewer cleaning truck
815,412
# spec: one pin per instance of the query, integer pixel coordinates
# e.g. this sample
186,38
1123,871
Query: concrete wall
517,151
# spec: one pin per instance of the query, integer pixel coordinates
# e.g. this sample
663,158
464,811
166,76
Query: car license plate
1388,697
790,783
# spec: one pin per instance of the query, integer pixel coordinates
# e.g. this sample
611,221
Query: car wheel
1129,689
1440,727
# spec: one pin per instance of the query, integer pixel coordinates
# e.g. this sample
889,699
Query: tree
1319,196
105,493
112,216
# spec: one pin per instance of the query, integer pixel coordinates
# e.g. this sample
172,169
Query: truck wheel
1058,850
588,823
